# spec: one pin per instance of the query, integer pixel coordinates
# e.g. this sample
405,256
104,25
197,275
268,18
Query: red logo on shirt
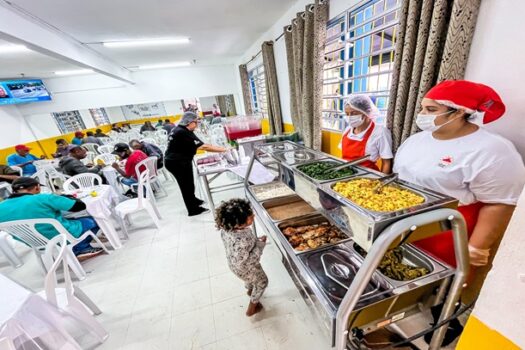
445,161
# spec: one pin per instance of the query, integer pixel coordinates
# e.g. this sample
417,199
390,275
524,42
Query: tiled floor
171,289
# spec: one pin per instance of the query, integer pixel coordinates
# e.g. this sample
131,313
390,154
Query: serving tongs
346,165
383,181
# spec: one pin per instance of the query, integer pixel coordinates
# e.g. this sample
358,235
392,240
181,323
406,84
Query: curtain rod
260,51
310,8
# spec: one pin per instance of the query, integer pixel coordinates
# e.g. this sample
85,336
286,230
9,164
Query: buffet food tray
258,191
365,225
305,220
298,171
281,203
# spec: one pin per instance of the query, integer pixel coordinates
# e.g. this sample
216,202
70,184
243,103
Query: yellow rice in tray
391,198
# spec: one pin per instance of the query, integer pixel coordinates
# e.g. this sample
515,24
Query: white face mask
427,122
355,121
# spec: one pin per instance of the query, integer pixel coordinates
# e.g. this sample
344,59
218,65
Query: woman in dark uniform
182,146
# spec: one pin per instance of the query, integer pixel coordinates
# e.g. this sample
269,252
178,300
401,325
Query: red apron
442,245
353,149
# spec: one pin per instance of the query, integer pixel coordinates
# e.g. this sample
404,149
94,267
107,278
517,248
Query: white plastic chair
7,249
19,169
144,201
25,231
105,140
104,149
54,177
7,344
90,156
162,132
91,147
82,181
151,165
71,298
107,158
5,187
41,177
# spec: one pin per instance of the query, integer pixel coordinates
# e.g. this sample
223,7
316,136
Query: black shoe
89,253
199,202
198,211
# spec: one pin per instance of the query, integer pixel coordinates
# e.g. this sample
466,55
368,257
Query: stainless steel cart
344,288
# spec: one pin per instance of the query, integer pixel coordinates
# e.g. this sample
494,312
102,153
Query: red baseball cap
22,148
79,134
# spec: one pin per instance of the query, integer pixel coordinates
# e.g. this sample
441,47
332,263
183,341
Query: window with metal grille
69,121
258,90
100,117
359,55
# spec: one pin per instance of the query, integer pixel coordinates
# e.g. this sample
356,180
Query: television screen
23,91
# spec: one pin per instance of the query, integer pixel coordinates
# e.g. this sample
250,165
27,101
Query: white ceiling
219,30
30,64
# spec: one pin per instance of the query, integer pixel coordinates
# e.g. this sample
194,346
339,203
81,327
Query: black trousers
183,172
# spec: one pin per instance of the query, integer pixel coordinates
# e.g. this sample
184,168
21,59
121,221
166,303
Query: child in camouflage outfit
243,248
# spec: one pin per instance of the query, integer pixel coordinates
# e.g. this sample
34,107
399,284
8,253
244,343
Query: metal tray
357,171
310,219
333,270
297,156
273,147
374,213
276,202
411,256
253,189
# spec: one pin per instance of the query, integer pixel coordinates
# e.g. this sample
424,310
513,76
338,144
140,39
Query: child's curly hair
232,214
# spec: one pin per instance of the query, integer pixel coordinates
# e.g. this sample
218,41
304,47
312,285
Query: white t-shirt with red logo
480,167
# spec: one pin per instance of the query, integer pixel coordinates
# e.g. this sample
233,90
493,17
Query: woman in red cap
455,156
77,140
363,136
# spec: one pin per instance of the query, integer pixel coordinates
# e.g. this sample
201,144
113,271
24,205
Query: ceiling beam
41,37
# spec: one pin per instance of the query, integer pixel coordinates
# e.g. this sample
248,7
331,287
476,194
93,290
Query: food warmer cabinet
340,276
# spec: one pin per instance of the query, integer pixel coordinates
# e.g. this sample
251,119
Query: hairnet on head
362,103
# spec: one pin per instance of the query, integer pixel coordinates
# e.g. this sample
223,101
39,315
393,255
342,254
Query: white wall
94,91
14,128
496,59
207,102
336,8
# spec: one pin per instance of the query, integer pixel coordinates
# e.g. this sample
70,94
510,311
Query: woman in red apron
455,156
364,137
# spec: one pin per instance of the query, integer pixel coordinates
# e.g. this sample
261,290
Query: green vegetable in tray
392,265
318,170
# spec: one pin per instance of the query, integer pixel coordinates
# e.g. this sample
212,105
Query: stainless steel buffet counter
323,248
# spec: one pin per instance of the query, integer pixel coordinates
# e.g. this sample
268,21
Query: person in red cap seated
23,159
363,137
456,156
77,140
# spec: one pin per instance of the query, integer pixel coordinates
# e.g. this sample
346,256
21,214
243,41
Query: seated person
90,138
23,159
7,174
71,164
132,159
116,128
159,124
62,150
99,133
26,194
77,140
168,125
147,127
151,150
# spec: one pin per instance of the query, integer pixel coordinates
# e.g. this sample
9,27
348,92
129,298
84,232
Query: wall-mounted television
23,91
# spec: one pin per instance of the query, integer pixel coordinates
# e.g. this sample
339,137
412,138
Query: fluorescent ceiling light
136,43
165,65
13,48
74,72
